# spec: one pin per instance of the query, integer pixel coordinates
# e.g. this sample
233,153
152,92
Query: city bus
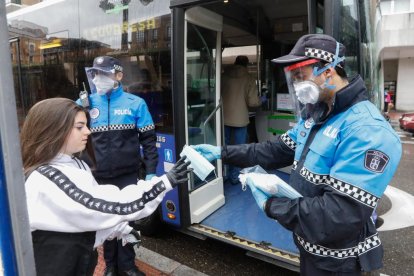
173,54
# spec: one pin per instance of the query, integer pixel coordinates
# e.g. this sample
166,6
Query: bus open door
212,208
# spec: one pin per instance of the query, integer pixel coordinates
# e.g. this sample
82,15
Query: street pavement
397,210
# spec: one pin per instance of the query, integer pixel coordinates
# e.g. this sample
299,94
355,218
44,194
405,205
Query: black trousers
65,254
307,268
115,254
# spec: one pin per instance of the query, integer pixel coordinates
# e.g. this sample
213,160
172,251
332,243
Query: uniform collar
350,95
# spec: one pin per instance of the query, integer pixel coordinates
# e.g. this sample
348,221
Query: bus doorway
202,34
202,68
229,213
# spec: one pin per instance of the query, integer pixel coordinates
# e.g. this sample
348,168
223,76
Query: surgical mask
202,168
103,84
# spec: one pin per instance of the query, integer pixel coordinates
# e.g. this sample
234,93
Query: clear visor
303,91
92,72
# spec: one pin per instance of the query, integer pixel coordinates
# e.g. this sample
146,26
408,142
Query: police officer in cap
343,155
120,124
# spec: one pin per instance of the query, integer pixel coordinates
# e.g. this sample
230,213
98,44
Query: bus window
369,75
201,88
348,35
319,16
49,55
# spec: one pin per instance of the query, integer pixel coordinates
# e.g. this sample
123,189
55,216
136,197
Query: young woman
65,203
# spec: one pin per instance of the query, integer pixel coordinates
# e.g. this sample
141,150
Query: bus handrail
219,106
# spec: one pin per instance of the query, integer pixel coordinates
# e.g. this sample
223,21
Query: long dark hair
44,132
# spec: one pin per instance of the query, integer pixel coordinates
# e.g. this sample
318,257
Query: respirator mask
100,81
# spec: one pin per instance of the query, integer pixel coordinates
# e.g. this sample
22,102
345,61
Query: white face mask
103,84
307,92
202,168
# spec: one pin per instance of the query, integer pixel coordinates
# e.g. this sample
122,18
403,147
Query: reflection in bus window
348,35
50,58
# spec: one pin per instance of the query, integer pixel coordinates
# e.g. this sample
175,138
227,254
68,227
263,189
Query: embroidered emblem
94,112
99,60
302,133
309,123
376,161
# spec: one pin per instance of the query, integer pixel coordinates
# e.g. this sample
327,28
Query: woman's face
78,137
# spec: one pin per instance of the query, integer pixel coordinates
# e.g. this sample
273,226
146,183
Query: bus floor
241,215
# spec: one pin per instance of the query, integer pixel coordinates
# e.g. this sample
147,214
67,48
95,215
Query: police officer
120,123
343,153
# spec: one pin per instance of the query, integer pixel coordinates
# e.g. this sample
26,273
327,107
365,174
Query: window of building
154,34
31,52
169,31
401,6
140,36
396,6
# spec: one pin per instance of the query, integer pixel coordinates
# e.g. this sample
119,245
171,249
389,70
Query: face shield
101,81
311,93
304,87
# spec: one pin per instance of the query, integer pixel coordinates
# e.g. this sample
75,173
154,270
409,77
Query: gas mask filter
202,168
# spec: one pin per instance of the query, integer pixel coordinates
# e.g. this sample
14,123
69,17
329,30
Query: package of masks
202,168
270,184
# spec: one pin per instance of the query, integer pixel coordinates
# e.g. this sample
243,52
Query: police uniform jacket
341,166
120,123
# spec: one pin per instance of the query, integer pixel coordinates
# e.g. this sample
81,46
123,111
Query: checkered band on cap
319,54
118,67
352,252
288,141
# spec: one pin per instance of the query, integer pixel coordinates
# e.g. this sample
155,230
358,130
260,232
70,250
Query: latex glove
149,176
258,195
179,173
263,99
209,152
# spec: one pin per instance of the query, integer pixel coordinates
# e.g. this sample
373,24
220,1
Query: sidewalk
152,264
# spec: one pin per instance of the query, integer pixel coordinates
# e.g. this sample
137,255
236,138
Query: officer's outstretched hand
258,195
149,176
178,173
209,152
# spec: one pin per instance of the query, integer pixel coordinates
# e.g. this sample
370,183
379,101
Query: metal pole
258,57
15,238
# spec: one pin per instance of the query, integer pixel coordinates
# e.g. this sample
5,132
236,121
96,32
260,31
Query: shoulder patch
376,161
94,112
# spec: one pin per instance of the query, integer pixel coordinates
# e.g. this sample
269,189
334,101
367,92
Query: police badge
376,161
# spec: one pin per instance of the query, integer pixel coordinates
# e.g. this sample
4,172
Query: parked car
407,122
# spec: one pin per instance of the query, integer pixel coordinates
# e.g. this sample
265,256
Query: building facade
395,37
